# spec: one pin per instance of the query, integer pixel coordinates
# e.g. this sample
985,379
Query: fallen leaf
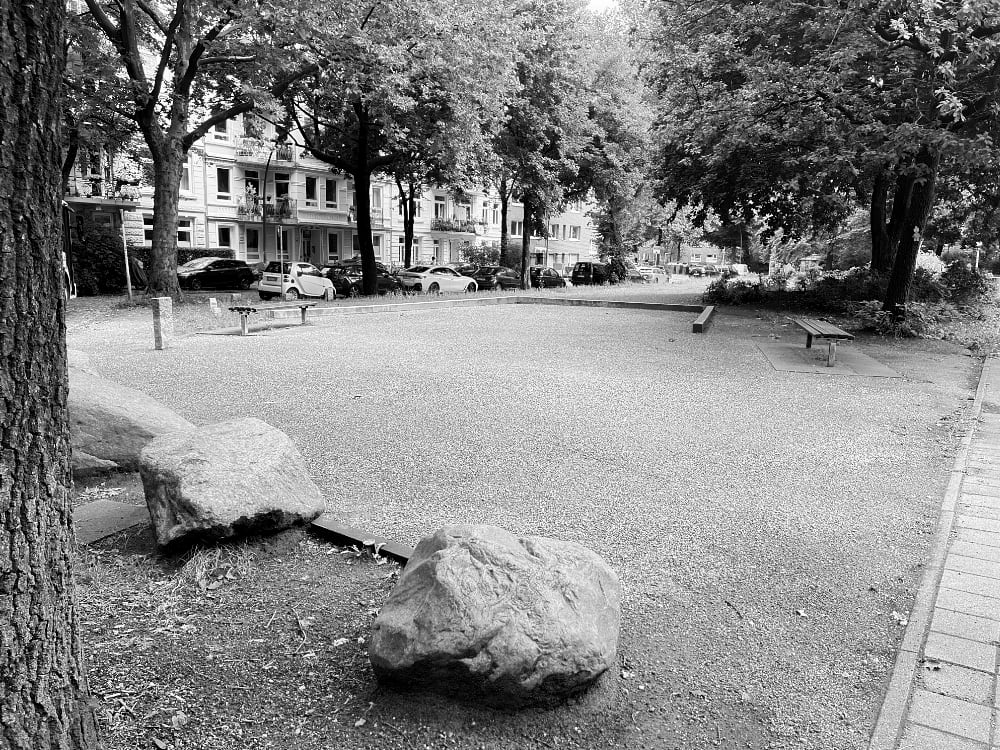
360,722
178,720
160,744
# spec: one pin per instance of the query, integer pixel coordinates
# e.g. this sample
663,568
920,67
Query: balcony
257,150
98,188
456,225
283,209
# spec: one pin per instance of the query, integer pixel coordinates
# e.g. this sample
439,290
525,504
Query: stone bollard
163,322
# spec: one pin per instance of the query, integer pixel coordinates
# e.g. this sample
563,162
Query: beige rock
111,423
225,480
516,621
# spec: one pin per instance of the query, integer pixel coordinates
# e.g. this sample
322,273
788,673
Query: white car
653,275
434,280
293,281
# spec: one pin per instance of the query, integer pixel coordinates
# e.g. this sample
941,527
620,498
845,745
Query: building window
332,245
439,208
435,249
554,231
186,178
695,257
377,244
400,249
253,244
312,191
281,181
220,131
251,180
485,212
463,211
517,228
223,190
711,258
185,231
376,197
330,196
225,237
574,233
147,228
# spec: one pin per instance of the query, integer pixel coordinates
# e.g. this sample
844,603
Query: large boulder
513,621
226,480
109,424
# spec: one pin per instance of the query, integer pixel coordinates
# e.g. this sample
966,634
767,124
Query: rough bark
168,168
503,190
526,244
408,201
918,208
881,250
44,700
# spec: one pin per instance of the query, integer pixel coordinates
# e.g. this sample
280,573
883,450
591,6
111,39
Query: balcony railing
455,225
280,210
257,149
99,188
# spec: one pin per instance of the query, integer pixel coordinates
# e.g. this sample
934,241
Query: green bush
964,284
733,292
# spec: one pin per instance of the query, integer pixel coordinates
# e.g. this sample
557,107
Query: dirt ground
261,644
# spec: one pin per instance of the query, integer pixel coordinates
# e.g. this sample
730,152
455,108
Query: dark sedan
215,273
492,277
543,277
347,279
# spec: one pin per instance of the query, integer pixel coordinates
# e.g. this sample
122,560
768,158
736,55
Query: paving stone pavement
944,693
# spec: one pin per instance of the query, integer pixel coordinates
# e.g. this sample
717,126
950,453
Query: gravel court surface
765,525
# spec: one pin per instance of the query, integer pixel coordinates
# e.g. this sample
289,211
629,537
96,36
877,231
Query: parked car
215,273
494,277
294,280
591,272
708,269
544,277
347,279
653,274
435,279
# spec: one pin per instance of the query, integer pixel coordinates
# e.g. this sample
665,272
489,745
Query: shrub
964,284
733,292
920,319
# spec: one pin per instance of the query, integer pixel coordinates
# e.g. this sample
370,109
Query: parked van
591,272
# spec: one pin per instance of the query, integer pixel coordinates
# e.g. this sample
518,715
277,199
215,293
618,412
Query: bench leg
831,356
244,324
809,341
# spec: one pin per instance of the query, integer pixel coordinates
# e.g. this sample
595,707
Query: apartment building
262,201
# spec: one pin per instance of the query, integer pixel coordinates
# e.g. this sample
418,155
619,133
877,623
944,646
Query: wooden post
163,322
831,355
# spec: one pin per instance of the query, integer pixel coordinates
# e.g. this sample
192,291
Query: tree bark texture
918,208
44,700
526,243
168,167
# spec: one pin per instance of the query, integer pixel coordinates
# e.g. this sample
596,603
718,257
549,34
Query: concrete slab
982,629
924,738
965,653
958,682
951,715
102,518
794,357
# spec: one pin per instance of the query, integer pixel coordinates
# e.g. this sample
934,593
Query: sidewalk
943,694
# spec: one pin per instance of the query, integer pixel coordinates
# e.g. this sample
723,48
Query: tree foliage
793,115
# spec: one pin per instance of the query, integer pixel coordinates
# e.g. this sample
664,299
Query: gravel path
765,525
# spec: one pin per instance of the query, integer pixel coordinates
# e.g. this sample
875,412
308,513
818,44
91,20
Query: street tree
395,86
177,70
44,697
545,124
793,115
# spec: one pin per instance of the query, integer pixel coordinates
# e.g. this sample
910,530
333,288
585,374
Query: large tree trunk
363,211
882,252
911,227
503,190
526,244
168,168
44,700
408,200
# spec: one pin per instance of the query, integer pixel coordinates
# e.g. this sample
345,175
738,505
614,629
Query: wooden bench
820,329
245,311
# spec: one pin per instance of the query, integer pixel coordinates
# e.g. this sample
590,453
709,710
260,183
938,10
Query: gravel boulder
111,423
226,480
513,621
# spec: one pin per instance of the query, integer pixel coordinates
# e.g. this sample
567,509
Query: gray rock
515,621
111,423
226,480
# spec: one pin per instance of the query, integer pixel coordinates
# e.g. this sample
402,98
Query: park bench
820,329
245,311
